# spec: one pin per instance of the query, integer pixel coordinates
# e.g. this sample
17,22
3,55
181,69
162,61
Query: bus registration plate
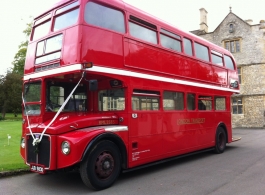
37,168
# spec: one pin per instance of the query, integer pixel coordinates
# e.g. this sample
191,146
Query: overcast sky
14,15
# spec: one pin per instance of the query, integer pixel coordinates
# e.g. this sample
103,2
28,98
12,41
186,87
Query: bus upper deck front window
49,49
32,94
42,27
68,18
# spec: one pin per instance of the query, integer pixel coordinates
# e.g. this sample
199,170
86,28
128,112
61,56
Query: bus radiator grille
39,154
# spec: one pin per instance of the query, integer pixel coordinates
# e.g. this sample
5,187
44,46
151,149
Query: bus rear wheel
102,166
220,141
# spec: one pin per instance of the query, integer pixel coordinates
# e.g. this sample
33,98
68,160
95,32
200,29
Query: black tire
102,166
220,141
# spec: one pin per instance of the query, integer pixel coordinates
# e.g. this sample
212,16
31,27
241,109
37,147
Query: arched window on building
231,28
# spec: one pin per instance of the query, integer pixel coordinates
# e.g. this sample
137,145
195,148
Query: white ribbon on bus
38,140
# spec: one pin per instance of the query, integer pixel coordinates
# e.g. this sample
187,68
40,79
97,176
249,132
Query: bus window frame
168,33
60,8
43,19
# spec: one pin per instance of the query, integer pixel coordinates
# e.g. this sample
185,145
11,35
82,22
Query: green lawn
10,116
10,158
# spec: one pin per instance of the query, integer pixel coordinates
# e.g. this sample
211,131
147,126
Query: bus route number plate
37,168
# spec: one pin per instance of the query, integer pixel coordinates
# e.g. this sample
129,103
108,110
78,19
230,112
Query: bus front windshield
32,97
57,93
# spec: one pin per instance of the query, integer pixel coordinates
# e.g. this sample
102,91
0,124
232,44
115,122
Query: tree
11,83
19,61
20,57
10,93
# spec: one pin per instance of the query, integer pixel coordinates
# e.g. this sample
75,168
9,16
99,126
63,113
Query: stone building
246,41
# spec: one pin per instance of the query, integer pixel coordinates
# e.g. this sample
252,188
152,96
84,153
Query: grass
10,158
11,117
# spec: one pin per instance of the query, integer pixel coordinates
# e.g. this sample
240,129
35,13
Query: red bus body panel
151,135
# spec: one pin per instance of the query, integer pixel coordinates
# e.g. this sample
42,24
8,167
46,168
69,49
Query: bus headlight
22,144
65,147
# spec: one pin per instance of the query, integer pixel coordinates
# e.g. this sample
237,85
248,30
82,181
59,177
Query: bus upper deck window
68,7
187,46
143,33
104,17
42,26
217,58
41,30
201,52
66,19
171,42
229,63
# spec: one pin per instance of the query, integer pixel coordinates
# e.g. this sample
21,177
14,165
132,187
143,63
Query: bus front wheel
102,166
220,140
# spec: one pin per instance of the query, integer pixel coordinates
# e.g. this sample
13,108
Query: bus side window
145,100
187,46
204,102
111,99
191,101
201,52
219,103
142,33
104,17
217,58
173,100
145,103
170,40
229,63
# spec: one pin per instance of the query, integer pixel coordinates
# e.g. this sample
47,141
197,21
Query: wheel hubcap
104,165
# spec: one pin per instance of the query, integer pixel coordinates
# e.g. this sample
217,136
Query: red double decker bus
108,88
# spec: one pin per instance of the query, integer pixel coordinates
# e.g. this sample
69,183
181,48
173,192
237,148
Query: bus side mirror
93,85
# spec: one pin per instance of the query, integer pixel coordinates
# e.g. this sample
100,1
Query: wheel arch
108,137
222,125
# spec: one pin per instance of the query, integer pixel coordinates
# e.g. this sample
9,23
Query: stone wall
253,116
251,60
252,79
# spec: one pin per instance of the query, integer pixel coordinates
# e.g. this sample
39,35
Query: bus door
145,139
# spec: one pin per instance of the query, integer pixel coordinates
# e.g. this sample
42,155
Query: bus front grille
40,153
